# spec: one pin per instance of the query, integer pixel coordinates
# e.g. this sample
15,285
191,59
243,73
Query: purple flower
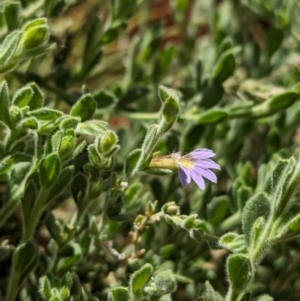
196,166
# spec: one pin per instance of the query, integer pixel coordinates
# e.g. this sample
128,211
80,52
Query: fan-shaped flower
196,166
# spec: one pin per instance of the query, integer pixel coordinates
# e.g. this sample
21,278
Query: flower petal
201,153
197,178
207,163
184,176
206,173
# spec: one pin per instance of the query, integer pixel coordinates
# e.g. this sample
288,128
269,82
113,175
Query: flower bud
170,108
107,143
15,115
34,33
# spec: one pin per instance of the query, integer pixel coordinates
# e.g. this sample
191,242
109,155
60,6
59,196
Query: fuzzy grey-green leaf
119,294
24,255
212,116
22,97
139,279
4,104
207,293
60,183
49,170
84,108
240,271
258,205
224,67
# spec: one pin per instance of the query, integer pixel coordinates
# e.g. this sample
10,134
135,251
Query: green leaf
162,63
243,194
257,206
294,224
4,104
92,50
8,47
64,293
224,67
217,209
212,116
114,206
94,157
105,98
274,140
67,280
9,66
46,114
30,123
66,263
281,171
264,297
165,283
48,6
78,187
119,294
288,224
274,39
36,51
139,279
287,186
113,31
49,170
207,293
45,287
28,201
245,297
66,146
211,96
55,228
256,231
5,164
61,183
150,139
69,123
282,101
168,251
55,141
169,96
84,108
22,97
20,173
24,255
150,43
79,148
240,271
233,242
36,101
30,268
11,12
133,162
275,104
170,107
92,127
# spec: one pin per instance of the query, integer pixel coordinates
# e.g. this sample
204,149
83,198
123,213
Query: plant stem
231,222
12,287
232,295
40,202
7,211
